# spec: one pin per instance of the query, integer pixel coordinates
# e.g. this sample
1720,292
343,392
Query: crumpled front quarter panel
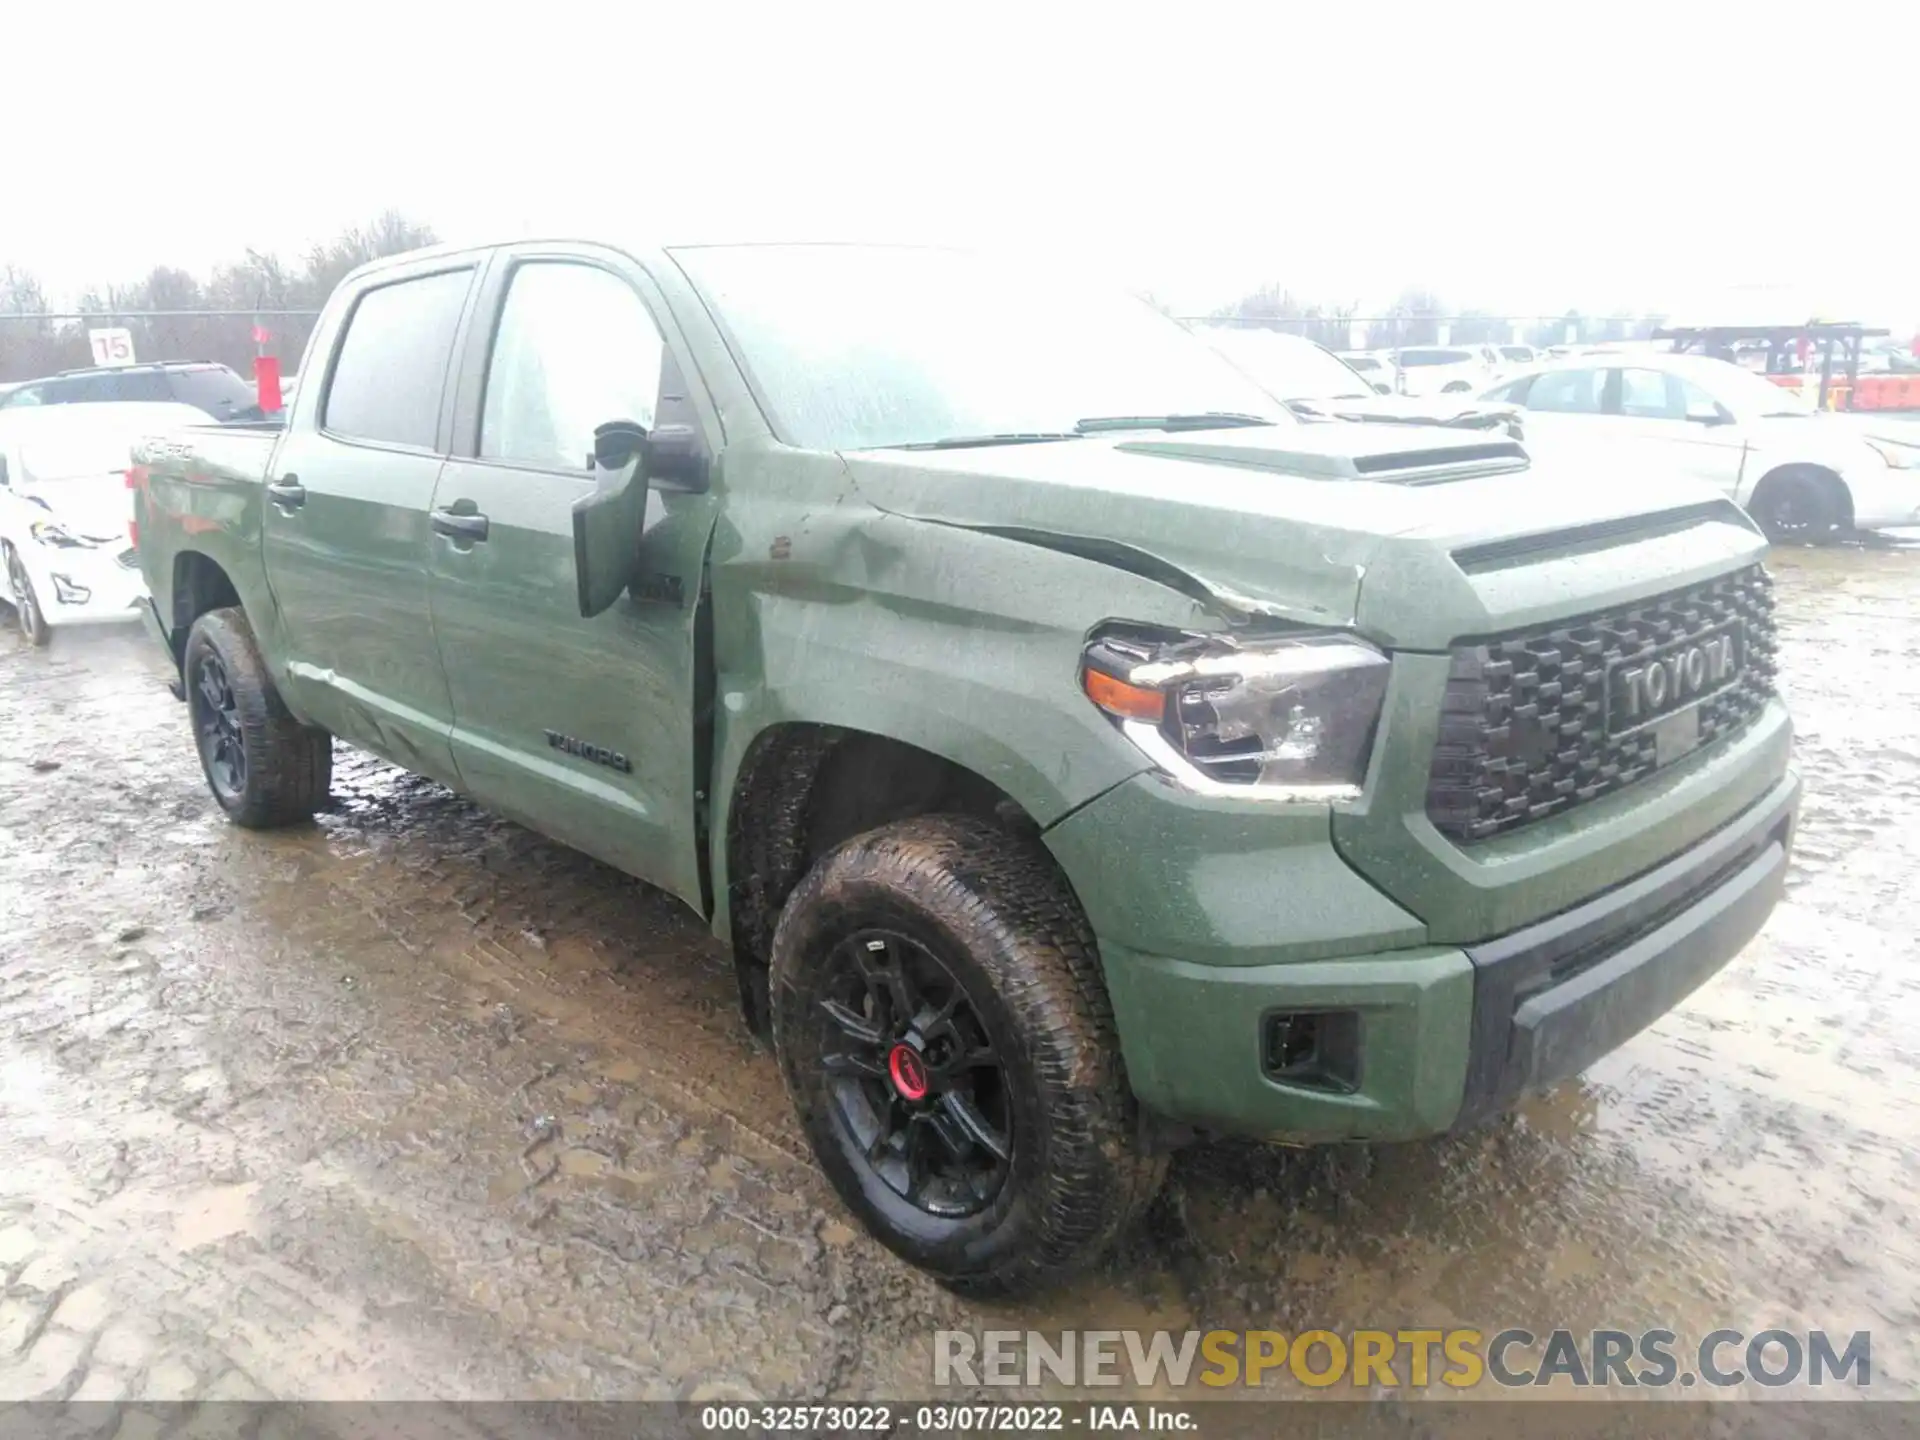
828,611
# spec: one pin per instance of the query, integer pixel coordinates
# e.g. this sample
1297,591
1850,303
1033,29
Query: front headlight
1285,718
50,532
1897,454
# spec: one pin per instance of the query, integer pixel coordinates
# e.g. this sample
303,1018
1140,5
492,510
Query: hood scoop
1356,452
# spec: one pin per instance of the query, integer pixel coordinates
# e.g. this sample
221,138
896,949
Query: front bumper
78,586
1882,497
1446,1035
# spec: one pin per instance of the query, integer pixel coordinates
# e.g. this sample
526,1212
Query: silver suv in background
210,388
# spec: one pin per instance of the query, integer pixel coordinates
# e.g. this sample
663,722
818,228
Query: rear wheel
948,1043
264,767
1801,505
26,604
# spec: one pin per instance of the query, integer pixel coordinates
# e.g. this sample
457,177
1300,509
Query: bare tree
1272,307
259,282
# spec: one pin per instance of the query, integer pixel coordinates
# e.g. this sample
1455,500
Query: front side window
1695,401
859,346
1650,395
575,349
1574,392
1514,392
392,367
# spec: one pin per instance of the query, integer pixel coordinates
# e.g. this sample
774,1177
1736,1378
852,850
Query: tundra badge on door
598,754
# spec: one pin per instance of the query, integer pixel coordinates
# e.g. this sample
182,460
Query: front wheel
1801,505
26,604
264,767
946,1036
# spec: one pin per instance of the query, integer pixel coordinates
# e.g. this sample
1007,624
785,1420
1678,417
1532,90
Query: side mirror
1380,387
3,471
676,459
606,523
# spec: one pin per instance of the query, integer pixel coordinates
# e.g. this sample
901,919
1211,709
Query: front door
582,728
346,530
1675,424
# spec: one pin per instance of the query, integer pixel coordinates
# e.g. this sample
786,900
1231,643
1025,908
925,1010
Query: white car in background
1445,369
65,550
1317,384
1802,473
1377,370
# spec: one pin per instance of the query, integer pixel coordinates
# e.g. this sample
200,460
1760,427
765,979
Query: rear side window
392,365
216,390
123,385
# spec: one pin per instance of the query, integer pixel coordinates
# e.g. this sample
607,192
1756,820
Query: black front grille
1523,730
128,559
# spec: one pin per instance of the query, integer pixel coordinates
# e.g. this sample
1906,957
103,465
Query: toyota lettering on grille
1656,683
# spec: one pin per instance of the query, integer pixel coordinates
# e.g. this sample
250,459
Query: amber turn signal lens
1117,697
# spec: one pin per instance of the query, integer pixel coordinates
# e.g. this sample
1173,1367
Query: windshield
852,347
69,457
1516,352
1289,366
1746,393
1412,358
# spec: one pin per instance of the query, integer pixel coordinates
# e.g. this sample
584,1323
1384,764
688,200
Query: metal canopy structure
1833,340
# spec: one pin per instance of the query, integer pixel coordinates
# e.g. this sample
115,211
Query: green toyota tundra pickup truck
1079,752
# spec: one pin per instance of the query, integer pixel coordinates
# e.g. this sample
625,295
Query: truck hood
1288,522
93,507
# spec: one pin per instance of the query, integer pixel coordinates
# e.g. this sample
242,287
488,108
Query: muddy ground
413,1103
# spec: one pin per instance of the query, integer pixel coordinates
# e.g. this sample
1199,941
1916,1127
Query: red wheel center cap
909,1072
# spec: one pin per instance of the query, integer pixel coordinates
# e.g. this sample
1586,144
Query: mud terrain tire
965,906
264,767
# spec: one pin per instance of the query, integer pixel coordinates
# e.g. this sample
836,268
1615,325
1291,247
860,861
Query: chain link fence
44,343
47,342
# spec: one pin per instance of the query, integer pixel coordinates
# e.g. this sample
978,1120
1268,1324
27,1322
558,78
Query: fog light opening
68,593
1315,1048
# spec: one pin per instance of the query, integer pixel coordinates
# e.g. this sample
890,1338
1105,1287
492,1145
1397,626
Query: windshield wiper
1011,437
1200,420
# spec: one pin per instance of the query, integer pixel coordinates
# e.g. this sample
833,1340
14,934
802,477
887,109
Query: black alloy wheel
216,728
26,604
919,1091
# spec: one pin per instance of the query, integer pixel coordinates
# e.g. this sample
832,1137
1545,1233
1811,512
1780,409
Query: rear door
582,728
346,537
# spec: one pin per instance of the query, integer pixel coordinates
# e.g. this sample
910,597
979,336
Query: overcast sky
1514,157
